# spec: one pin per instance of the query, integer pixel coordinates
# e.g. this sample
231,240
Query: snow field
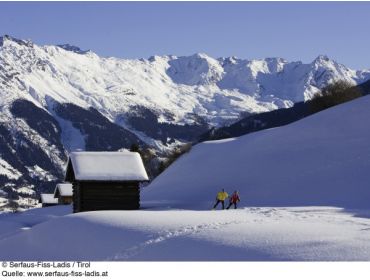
293,233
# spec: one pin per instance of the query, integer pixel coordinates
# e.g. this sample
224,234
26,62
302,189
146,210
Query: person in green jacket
221,197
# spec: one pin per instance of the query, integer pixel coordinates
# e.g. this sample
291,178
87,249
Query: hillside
270,119
320,160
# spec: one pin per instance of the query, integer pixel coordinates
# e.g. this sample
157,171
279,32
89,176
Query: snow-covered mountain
55,99
174,87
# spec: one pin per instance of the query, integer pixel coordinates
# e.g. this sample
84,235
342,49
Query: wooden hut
105,180
63,193
47,199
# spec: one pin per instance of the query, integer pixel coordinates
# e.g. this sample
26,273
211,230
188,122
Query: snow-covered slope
323,159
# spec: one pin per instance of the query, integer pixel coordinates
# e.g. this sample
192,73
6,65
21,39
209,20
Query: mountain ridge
89,102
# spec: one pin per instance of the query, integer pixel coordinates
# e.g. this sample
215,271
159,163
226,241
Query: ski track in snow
166,235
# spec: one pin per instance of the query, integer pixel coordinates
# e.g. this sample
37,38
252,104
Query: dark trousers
217,202
231,203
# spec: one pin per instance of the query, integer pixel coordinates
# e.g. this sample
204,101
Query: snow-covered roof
48,198
107,166
64,189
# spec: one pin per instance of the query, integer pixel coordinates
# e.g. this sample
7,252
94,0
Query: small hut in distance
47,199
63,193
105,180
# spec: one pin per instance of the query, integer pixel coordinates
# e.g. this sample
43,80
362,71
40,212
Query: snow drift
321,160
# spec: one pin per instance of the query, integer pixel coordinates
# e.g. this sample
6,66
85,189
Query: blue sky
292,30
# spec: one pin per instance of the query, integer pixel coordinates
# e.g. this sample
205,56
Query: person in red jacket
234,199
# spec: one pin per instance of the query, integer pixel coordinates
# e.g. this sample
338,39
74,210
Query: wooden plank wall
92,196
76,197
